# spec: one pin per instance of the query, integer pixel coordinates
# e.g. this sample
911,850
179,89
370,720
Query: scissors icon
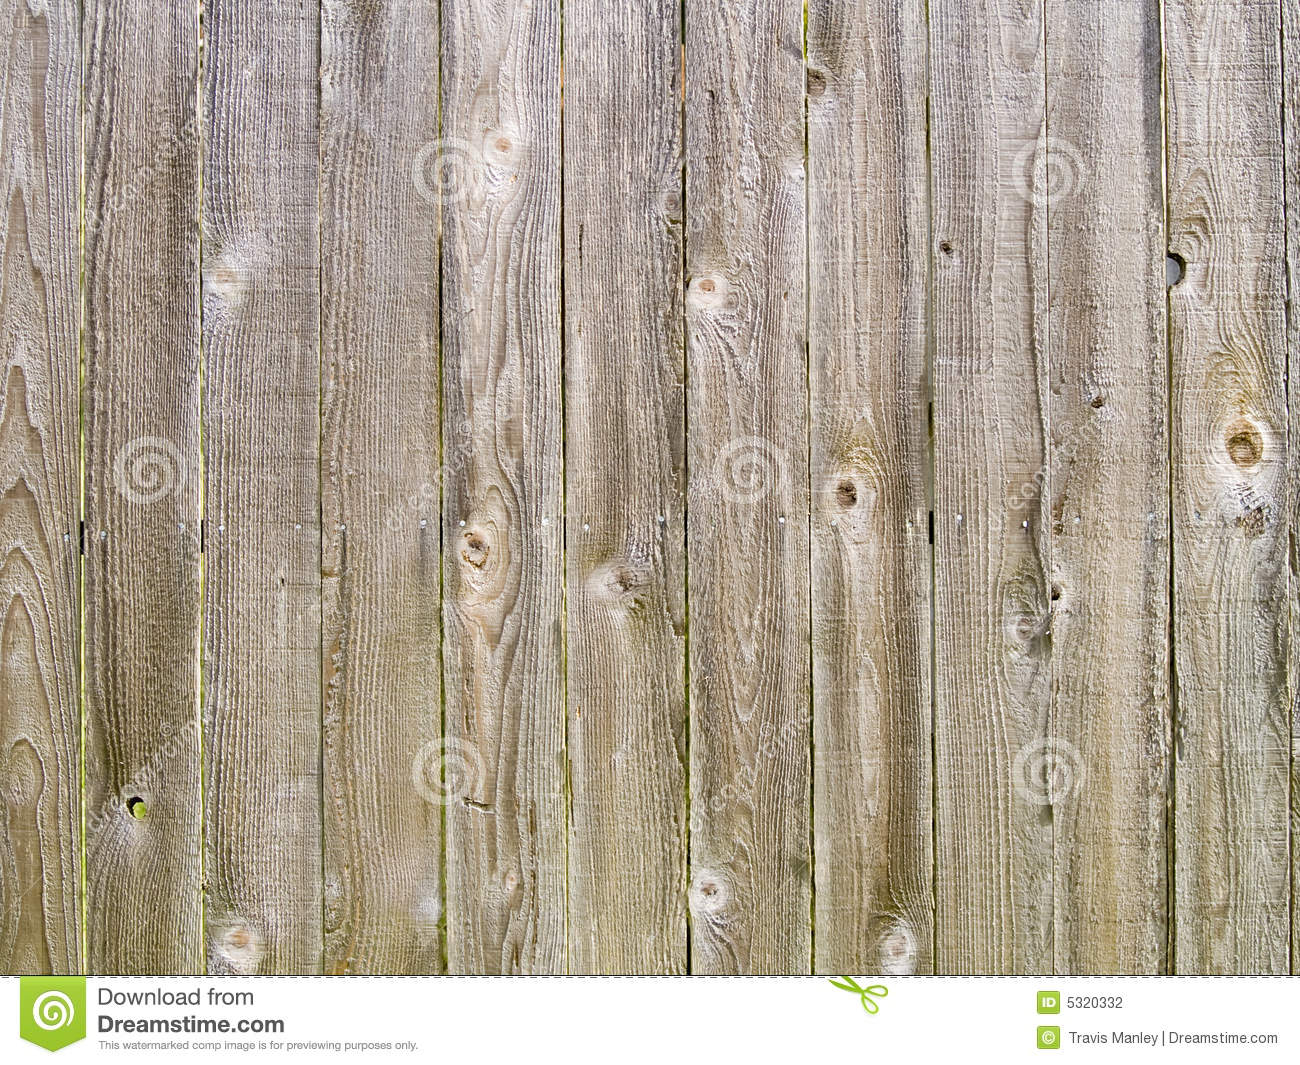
868,994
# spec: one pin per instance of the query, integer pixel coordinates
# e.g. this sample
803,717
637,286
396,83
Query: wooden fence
488,486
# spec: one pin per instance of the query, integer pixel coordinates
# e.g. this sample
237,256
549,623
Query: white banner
633,1019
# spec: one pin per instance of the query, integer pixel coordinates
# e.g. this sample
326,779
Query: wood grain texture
143,491
624,471
262,603
503,503
713,486
1109,487
1291,139
868,305
992,543
747,457
1229,466
380,489
40,498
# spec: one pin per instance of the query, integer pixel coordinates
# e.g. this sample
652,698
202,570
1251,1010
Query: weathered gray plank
992,605
261,629
380,489
497,172
1229,465
624,470
1291,139
142,489
40,496
747,455
1051,482
1109,486
868,316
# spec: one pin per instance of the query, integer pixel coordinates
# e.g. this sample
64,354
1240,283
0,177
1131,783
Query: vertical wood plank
868,219
143,489
498,176
262,613
624,471
747,454
1291,139
380,489
1229,465
992,606
1108,759
40,497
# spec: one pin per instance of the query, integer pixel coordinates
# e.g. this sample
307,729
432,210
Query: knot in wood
709,894
239,946
898,949
1244,443
475,548
708,292
619,581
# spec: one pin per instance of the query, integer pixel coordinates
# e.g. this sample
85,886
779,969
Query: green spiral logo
52,1010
